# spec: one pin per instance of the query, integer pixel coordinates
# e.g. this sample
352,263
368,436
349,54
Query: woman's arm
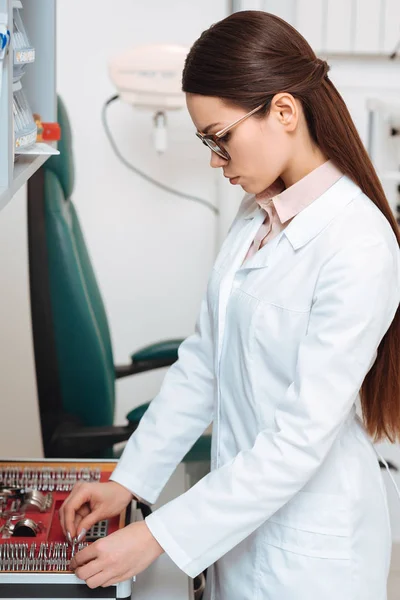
175,419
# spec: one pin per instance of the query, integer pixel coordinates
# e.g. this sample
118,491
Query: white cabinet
285,9
38,85
368,25
391,29
247,5
338,26
310,20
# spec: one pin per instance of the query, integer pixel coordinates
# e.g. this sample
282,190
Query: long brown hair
246,59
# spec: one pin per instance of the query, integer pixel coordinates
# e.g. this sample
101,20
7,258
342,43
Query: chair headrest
62,165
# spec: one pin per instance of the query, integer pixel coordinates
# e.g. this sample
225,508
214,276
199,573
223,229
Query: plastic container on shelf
24,53
25,129
47,132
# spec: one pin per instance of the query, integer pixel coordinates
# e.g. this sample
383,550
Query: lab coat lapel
234,245
234,254
262,258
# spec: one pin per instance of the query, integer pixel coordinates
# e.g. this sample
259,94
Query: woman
300,321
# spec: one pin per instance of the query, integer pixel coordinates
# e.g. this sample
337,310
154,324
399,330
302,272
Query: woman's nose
217,160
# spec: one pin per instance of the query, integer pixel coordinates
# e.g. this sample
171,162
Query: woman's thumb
82,525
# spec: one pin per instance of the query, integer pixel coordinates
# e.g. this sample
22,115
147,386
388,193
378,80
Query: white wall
152,251
20,434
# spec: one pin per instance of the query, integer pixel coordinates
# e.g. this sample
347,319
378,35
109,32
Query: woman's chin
248,188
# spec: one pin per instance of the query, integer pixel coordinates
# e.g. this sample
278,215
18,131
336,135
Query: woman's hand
89,503
117,557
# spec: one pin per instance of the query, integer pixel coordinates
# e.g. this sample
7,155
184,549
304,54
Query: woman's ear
285,109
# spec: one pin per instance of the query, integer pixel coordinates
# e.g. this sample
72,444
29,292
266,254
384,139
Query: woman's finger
83,524
99,579
73,504
80,514
88,569
83,512
115,580
61,512
88,554
77,522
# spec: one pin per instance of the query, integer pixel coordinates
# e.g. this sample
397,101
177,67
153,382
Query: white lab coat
295,506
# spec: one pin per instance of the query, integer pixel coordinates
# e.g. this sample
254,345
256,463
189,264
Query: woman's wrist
157,547
123,491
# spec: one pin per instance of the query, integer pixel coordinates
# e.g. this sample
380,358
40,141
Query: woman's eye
225,138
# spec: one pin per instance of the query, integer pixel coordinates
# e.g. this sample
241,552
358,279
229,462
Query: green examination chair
73,354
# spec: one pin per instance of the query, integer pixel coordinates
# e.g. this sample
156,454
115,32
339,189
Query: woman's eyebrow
207,129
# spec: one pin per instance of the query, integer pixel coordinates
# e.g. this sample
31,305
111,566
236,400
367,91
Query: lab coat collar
314,218
288,202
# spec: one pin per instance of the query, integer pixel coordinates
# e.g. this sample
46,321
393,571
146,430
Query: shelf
25,167
38,84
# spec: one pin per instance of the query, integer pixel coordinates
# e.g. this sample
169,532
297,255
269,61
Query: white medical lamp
150,78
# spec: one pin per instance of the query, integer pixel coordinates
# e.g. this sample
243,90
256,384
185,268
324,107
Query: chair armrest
201,449
73,441
168,350
155,356
137,413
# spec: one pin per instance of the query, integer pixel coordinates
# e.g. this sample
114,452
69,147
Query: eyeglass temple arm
232,125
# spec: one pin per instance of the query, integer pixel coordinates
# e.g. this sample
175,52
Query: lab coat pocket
311,524
306,550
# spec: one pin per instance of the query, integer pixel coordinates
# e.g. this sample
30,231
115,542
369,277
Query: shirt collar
292,200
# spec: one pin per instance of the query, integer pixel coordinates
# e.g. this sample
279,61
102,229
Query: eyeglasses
213,140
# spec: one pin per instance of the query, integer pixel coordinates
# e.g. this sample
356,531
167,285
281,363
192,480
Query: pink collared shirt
281,205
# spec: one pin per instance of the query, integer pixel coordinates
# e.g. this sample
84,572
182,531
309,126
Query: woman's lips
234,180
